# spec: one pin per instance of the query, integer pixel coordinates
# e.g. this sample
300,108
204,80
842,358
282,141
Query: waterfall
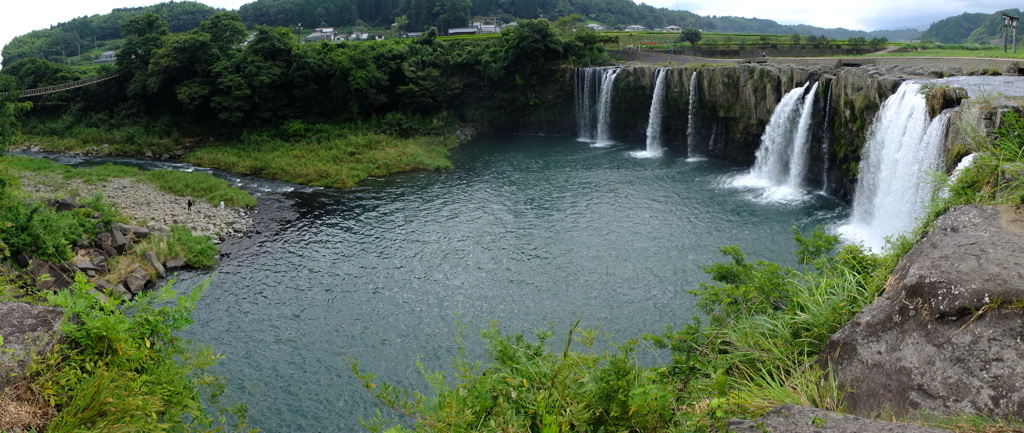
826,148
691,121
781,160
585,83
654,117
594,104
798,160
604,107
894,183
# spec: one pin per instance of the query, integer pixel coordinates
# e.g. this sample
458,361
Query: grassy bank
200,185
338,162
120,366
329,155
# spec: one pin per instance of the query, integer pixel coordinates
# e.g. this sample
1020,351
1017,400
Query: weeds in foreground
123,369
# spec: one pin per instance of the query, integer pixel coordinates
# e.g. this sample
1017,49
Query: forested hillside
991,28
86,33
954,30
424,13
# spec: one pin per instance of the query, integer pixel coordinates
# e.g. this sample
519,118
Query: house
595,27
322,34
358,36
635,28
673,28
106,57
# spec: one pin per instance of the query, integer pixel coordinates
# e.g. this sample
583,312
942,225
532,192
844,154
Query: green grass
338,162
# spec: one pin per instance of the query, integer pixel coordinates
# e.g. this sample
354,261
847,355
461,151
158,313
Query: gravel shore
148,206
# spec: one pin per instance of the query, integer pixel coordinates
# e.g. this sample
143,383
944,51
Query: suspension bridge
60,87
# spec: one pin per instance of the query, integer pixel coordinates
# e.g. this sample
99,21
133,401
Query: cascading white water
593,104
604,107
826,148
654,145
894,184
798,160
691,121
780,162
955,175
585,88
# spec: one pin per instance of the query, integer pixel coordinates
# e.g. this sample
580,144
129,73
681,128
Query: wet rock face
27,330
947,335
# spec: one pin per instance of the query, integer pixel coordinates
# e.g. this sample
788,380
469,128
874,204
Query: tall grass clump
338,162
121,368
996,175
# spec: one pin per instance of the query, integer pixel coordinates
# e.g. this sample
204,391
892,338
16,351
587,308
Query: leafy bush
123,369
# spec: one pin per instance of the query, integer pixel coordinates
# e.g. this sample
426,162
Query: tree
142,35
690,35
451,13
795,39
857,42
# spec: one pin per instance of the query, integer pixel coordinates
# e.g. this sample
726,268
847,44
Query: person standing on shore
190,205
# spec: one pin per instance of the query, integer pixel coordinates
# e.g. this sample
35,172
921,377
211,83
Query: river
529,231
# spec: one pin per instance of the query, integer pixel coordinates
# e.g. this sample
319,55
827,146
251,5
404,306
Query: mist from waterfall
782,159
654,117
894,182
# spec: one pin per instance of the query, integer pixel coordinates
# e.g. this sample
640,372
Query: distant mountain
954,30
730,24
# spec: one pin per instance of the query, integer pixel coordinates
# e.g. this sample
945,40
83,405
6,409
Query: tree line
217,74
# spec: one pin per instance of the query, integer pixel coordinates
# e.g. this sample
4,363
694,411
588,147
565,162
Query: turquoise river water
527,231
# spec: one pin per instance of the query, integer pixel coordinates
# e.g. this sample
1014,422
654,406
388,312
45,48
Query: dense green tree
10,111
32,72
143,35
690,35
532,51
451,13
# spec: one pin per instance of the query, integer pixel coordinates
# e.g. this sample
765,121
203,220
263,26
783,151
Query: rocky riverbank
147,206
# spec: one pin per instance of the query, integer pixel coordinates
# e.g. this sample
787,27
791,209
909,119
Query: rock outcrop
27,330
802,419
947,335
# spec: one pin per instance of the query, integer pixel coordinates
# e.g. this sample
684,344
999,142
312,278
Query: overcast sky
18,17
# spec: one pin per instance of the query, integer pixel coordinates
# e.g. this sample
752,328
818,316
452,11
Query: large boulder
27,330
947,335
803,419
